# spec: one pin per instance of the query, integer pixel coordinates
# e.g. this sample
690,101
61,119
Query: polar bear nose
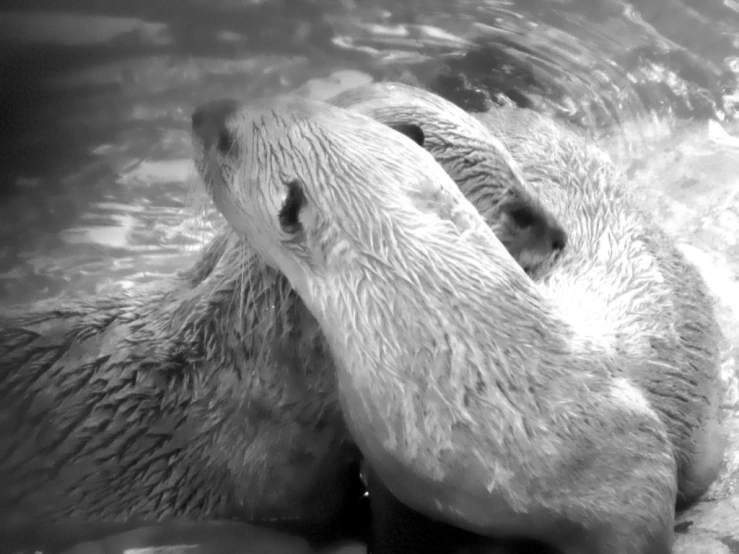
558,239
209,121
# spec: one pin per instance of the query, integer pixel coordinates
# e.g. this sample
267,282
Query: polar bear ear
411,130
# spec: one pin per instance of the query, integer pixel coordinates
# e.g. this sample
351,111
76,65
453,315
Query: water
96,181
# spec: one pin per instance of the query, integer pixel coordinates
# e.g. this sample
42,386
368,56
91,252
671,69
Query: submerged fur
499,405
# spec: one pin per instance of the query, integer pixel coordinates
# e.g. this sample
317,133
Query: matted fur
476,160
480,397
206,395
640,294
203,396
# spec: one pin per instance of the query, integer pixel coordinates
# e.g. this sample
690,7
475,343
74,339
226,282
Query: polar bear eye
290,212
411,130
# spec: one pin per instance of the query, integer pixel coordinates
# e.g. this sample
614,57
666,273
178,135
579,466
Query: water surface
96,179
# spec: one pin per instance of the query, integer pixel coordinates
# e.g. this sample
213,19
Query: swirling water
97,183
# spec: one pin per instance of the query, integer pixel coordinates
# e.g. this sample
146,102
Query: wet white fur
513,402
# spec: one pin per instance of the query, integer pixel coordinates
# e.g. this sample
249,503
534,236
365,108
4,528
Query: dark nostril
214,112
209,120
559,240
198,116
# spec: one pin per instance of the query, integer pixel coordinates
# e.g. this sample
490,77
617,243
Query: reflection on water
97,184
